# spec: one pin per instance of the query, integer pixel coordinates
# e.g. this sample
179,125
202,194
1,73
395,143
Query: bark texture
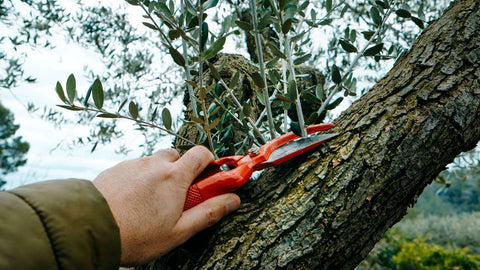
326,210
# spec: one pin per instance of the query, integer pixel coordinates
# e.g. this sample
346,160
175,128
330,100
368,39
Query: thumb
206,214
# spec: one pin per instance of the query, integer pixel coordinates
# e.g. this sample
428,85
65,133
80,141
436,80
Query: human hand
146,197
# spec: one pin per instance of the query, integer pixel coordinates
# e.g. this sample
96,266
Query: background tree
12,148
106,30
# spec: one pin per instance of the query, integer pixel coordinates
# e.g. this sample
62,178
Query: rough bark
326,210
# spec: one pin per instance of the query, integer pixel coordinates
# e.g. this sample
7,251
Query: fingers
206,214
169,154
193,162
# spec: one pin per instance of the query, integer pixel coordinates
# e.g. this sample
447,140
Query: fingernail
232,204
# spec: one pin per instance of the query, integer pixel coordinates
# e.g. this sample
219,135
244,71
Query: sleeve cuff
77,220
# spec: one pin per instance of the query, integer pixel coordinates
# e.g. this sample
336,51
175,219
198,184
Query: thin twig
188,76
200,79
140,122
262,114
240,108
289,61
261,66
285,88
355,60
155,23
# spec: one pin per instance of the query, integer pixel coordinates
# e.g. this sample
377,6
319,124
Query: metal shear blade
214,181
295,148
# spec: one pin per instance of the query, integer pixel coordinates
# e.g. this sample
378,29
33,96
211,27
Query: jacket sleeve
62,224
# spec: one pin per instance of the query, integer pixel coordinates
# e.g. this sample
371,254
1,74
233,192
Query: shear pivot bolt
254,150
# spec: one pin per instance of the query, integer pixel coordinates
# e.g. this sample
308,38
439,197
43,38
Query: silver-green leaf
167,118
60,93
403,13
216,47
97,94
71,88
302,59
347,46
234,80
177,56
133,110
87,96
336,77
373,50
244,26
375,14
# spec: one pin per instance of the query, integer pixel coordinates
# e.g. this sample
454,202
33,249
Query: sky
43,137
50,66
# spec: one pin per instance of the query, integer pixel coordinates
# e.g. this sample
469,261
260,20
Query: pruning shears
215,180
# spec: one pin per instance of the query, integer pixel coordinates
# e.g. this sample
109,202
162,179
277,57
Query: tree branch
327,210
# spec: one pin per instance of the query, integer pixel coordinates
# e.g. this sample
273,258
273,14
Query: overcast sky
50,66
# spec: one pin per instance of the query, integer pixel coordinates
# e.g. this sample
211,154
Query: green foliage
460,230
454,191
445,215
399,251
25,29
184,30
381,257
12,148
418,254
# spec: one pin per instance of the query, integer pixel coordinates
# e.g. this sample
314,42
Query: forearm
63,224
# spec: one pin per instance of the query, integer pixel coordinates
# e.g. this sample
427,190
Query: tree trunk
326,210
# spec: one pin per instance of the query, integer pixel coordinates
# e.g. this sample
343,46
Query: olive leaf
133,110
167,118
375,14
403,13
244,26
216,47
373,50
347,46
177,56
336,77
60,93
97,94
71,88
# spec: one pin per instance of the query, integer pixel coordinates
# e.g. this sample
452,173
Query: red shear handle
193,197
213,182
217,184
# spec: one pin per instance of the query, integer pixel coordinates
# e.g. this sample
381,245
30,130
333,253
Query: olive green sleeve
63,224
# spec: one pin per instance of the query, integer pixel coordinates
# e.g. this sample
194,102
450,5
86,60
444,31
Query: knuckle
171,151
202,152
174,152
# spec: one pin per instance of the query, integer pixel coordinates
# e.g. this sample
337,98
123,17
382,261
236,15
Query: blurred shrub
456,192
462,230
381,257
418,254
396,251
